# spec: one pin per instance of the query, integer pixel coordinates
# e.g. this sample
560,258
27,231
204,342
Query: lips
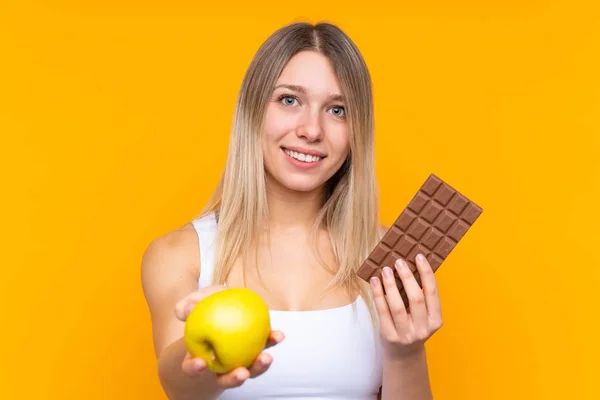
301,157
301,164
305,151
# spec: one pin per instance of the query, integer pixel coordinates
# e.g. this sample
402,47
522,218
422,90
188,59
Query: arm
406,378
167,277
180,386
404,329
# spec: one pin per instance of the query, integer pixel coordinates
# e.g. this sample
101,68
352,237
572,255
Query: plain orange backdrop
114,124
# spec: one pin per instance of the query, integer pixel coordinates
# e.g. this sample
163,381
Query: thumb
187,304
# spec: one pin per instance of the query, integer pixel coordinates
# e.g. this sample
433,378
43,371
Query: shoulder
181,237
169,273
174,252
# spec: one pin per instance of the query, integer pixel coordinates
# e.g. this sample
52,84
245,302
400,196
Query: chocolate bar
433,223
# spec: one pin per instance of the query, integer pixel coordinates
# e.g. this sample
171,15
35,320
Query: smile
301,157
296,159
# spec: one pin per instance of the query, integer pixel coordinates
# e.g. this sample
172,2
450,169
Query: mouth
301,157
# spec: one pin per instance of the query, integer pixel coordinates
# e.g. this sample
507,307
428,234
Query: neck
292,211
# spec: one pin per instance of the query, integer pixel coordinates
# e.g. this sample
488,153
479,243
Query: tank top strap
206,228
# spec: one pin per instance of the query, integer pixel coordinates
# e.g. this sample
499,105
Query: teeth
302,157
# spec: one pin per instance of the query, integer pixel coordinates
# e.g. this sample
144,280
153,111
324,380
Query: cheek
340,139
277,124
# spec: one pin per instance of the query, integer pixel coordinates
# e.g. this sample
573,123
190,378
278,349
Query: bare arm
179,385
167,277
404,332
406,378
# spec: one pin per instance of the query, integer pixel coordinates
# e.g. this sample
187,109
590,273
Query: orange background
114,124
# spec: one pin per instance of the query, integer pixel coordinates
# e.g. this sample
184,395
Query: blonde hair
350,209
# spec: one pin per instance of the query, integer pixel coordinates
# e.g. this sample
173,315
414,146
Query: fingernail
374,281
387,272
400,263
421,257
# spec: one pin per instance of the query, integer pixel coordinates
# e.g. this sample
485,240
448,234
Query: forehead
311,70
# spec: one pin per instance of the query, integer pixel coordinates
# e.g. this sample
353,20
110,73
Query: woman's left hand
403,332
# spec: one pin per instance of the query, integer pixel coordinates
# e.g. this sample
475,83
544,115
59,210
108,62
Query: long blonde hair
350,209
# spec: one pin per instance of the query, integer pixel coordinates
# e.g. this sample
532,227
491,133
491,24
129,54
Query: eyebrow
302,89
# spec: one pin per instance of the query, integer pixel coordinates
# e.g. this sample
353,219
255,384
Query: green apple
228,329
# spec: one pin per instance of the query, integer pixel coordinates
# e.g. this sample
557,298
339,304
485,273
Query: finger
394,300
233,378
275,337
430,288
386,323
416,299
184,307
260,365
187,304
193,366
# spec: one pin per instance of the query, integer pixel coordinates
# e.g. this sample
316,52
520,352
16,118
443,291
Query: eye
288,100
338,111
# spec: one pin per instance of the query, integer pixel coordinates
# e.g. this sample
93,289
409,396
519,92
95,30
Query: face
305,138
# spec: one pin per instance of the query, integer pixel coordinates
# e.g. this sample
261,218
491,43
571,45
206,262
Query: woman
294,215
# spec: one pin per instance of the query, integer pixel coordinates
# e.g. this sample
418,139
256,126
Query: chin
303,184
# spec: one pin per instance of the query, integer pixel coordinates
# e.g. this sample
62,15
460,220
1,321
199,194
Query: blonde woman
294,215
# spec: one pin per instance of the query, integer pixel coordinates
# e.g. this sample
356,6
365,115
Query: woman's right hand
194,366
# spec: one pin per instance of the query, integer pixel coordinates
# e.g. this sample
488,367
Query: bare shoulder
176,251
170,266
169,272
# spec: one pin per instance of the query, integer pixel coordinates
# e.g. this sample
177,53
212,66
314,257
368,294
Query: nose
310,126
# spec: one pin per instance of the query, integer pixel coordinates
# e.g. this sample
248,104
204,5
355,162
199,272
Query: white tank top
330,354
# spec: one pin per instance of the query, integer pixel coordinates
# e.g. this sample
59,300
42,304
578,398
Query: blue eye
287,100
338,111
